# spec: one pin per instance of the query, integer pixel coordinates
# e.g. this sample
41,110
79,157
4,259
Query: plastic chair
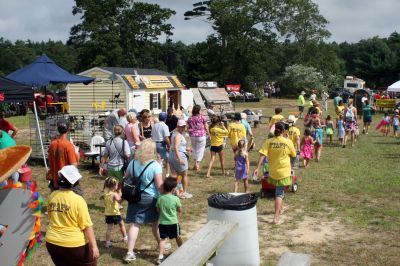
95,150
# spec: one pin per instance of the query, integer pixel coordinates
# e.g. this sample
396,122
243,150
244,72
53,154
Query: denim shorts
280,192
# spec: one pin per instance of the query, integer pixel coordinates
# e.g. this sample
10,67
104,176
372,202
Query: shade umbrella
42,72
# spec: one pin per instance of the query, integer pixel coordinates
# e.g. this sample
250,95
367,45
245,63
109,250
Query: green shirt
300,100
6,140
367,111
168,204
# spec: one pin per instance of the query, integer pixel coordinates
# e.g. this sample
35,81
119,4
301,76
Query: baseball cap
181,123
303,92
162,116
292,119
71,174
62,123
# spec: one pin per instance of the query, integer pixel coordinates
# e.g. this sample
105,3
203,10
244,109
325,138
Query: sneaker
186,195
108,244
130,256
160,260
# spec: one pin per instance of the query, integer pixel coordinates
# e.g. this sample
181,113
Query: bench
264,117
202,245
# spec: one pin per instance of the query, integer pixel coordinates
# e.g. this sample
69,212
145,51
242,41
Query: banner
233,88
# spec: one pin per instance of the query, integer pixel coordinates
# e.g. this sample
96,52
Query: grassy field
346,211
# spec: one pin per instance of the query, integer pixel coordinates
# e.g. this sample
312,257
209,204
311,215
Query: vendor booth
131,88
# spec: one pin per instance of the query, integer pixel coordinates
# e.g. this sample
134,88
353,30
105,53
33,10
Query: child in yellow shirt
113,216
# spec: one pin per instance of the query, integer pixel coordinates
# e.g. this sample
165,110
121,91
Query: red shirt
6,126
61,153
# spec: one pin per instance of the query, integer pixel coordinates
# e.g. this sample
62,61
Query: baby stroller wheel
295,187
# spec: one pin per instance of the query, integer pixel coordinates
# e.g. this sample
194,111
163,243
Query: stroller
268,189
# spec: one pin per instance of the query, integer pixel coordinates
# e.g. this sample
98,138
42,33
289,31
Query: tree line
254,42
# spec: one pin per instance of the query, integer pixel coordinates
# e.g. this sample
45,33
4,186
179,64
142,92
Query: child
113,216
274,119
242,166
396,122
306,147
329,128
356,132
218,132
341,130
384,125
168,205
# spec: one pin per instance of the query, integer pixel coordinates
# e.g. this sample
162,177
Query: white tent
395,87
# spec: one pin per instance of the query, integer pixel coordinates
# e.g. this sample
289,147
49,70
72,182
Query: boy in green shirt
168,205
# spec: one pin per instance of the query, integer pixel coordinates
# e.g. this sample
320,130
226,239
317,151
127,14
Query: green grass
353,191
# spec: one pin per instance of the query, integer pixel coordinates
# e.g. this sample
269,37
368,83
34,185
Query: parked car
250,97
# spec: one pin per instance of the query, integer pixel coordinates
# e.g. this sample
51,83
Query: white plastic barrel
241,248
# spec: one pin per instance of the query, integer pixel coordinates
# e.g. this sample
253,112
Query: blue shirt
6,140
153,169
246,126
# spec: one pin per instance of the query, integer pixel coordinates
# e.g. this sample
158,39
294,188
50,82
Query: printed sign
233,88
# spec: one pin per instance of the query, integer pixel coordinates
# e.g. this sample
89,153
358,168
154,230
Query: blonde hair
146,151
131,117
110,182
118,130
350,102
241,148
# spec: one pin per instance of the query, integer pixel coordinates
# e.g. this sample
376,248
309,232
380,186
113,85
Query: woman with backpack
149,171
350,118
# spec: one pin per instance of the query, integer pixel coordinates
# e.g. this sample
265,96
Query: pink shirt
128,132
196,126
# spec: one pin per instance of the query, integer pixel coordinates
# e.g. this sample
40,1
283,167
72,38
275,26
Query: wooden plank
197,98
202,245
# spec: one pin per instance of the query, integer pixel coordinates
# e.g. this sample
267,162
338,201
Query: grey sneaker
159,261
130,256
186,195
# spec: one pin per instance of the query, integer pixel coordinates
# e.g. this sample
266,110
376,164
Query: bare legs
221,160
134,231
278,209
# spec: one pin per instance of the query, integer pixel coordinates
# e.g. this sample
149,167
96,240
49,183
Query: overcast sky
349,20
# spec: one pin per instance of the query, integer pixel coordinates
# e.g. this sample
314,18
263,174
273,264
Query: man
364,98
236,131
61,153
294,136
160,135
117,117
324,98
300,103
7,126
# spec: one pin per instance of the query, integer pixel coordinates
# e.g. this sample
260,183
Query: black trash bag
226,201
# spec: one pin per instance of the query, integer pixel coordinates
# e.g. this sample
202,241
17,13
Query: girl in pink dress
306,147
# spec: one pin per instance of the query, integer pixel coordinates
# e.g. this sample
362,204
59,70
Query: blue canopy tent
42,72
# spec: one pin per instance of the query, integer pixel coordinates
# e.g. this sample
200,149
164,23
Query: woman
145,125
132,132
144,211
70,238
178,157
279,149
350,116
218,133
198,129
115,155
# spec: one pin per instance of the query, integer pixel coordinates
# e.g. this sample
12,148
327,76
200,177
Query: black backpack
131,191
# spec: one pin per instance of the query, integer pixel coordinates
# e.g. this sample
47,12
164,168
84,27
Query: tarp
11,91
395,87
44,71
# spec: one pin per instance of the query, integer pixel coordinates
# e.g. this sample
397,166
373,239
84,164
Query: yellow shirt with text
236,132
68,216
278,150
218,135
294,133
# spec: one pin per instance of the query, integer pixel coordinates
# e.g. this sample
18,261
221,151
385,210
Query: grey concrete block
294,259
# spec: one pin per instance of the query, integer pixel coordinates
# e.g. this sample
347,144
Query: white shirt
159,132
363,99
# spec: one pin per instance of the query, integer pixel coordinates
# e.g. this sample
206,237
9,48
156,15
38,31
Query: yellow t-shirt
111,206
68,216
279,150
276,118
217,135
236,132
294,133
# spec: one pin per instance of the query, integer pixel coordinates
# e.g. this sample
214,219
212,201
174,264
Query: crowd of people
156,150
